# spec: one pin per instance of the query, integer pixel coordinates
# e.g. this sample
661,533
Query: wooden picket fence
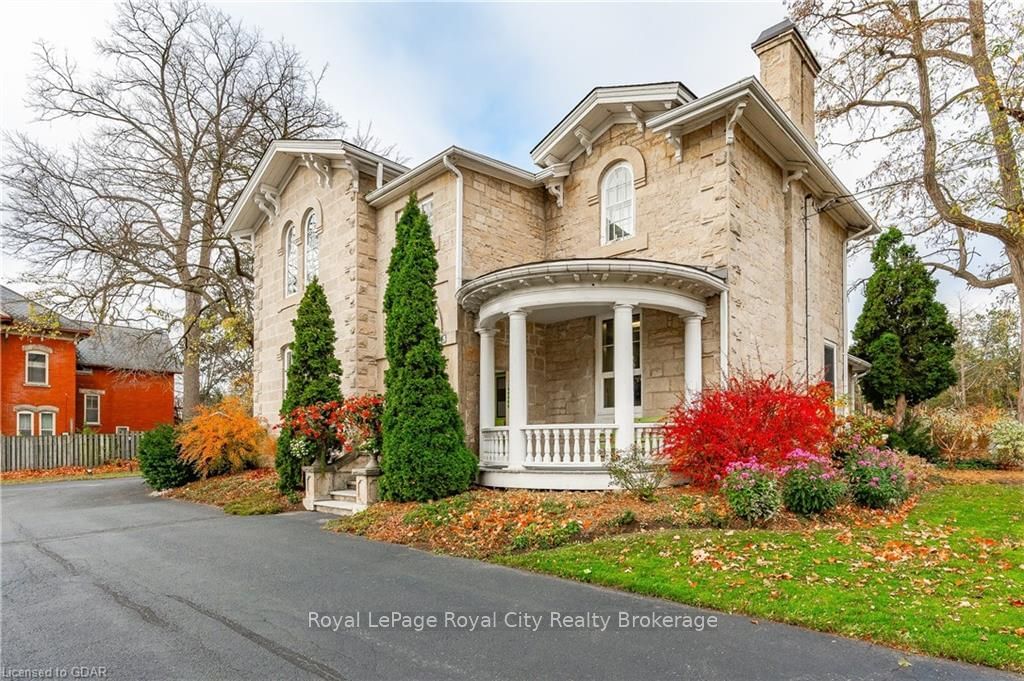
53,451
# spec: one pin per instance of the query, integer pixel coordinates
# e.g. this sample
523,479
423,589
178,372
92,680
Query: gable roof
603,107
776,133
129,349
100,345
17,309
279,163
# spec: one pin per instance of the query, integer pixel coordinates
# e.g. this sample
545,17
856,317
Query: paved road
101,575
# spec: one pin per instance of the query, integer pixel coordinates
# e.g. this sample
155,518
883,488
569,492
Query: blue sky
490,77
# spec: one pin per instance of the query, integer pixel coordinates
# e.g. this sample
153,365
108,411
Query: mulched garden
252,492
483,523
116,468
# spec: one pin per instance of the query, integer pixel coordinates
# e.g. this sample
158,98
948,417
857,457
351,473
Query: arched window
617,207
311,240
286,364
291,262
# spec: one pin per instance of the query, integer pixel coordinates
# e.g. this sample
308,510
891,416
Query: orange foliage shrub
224,439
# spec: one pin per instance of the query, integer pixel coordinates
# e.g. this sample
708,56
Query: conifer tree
424,450
903,330
314,374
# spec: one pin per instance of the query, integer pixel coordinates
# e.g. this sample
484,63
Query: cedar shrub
314,375
424,445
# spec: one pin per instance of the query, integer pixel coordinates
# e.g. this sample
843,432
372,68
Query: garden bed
948,580
252,492
118,468
487,522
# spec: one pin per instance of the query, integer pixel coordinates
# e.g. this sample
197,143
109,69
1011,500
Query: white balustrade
576,445
494,446
649,438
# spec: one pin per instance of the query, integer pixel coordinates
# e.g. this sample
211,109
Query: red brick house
60,375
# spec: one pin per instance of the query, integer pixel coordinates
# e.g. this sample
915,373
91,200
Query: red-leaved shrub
760,419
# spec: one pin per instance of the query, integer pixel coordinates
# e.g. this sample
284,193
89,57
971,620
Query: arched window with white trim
291,262
311,242
617,204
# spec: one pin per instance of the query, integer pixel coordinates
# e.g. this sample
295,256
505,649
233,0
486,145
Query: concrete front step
335,507
343,494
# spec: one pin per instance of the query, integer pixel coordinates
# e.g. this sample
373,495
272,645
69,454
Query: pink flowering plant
877,477
752,490
810,483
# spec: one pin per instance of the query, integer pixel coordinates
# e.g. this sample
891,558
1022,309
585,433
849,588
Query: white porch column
693,372
517,389
487,392
623,364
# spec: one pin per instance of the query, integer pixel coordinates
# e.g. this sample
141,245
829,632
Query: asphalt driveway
101,580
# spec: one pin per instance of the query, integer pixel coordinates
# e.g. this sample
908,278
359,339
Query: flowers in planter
877,477
752,490
810,483
327,431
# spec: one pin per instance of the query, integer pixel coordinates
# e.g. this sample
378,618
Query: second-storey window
291,262
617,205
312,246
92,409
37,370
286,365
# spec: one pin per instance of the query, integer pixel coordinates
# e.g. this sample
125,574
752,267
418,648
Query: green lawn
949,581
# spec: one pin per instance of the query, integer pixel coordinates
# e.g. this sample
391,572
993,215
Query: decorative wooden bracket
555,189
793,174
730,126
268,200
634,113
676,140
319,165
586,139
353,170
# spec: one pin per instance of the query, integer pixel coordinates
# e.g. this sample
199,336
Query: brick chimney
788,70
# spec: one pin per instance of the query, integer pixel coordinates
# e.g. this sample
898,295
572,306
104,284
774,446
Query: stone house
665,241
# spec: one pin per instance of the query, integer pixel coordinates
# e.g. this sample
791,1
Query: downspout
458,218
807,290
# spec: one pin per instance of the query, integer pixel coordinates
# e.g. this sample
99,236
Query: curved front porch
592,350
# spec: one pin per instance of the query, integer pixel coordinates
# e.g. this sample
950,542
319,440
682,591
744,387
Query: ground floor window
500,397
829,372
122,430
606,360
25,419
92,409
47,423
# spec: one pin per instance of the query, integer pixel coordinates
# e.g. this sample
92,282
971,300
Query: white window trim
45,412
290,234
85,409
311,213
607,414
46,366
604,203
118,430
31,420
286,362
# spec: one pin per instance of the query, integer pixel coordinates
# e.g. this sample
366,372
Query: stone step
348,494
335,507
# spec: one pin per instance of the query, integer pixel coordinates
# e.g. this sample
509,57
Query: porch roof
553,283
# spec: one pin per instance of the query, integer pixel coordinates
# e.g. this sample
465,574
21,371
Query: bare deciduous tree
936,88
126,223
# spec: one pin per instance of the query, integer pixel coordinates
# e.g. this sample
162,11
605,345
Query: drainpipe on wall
807,290
450,165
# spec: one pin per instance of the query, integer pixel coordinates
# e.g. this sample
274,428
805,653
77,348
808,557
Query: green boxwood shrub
158,460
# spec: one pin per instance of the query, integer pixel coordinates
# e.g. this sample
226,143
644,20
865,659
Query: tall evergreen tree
314,374
903,330
424,450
